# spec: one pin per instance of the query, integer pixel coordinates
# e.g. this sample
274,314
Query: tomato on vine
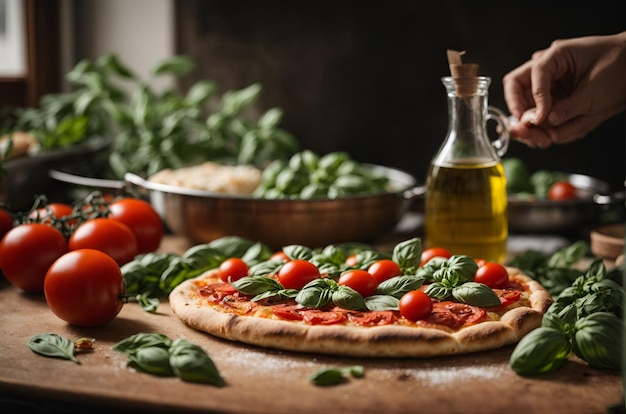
85,288
51,212
26,253
142,219
107,235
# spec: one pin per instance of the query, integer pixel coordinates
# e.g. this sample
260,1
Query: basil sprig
583,319
156,354
153,275
452,280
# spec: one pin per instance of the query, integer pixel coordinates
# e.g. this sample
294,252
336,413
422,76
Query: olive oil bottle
466,199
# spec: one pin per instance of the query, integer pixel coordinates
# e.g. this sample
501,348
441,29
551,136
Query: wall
365,78
140,32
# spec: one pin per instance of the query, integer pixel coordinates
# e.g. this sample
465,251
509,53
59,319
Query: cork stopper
465,74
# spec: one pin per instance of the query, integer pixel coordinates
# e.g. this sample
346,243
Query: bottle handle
501,143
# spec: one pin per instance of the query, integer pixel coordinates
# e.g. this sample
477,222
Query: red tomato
52,211
85,288
415,305
493,275
352,260
562,190
6,222
296,273
320,317
232,269
142,219
280,255
26,253
434,252
384,269
360,280
107,235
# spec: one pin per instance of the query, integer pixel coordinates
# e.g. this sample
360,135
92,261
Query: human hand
567,90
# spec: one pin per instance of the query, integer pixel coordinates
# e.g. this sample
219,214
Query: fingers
516,86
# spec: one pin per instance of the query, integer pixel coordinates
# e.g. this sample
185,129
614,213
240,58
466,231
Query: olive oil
466,209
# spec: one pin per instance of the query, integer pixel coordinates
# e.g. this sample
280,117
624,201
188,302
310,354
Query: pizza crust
358,341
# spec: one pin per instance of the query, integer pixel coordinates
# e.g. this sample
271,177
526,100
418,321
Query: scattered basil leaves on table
334,376
157,354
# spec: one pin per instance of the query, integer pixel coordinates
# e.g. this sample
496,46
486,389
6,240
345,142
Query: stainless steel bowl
544,216
202,216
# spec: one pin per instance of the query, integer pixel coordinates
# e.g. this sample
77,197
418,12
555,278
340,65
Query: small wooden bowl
607,241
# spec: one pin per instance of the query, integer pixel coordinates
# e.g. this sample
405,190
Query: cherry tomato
360,280
280,255
107,235
434,252
296,273
142,219
352,260
52,211
562,190
233,269
6,222
493,275
384,269
415,305
26,253
85,287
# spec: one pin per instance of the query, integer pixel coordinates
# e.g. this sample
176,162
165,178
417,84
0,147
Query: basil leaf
295,251
53,345
407,254
314,297
382,302
134,342
476,294
399,285
598,340
347,298
540,351
191,363
269,267
328,376
147,303
255,285
437,290
151,359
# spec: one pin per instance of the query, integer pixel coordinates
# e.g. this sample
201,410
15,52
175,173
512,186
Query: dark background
365,78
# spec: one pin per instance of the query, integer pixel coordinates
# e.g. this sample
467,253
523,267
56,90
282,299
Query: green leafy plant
584,319
154,129
334,376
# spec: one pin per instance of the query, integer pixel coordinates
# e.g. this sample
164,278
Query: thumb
569,108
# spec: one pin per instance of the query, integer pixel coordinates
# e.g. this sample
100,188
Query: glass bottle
466,199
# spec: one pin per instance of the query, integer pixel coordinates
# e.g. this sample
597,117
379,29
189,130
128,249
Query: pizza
324,316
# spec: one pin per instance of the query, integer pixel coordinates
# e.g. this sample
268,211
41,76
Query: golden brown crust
378,341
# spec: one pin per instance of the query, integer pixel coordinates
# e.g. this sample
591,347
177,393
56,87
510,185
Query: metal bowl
202,216
545,216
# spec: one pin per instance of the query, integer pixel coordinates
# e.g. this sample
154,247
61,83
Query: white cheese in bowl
211,176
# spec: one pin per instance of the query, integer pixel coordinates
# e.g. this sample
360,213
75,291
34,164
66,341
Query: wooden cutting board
269,381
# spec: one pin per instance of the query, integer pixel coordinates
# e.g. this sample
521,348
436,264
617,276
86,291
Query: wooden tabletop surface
268,381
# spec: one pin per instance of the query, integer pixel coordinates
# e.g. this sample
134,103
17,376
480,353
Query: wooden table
268,381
